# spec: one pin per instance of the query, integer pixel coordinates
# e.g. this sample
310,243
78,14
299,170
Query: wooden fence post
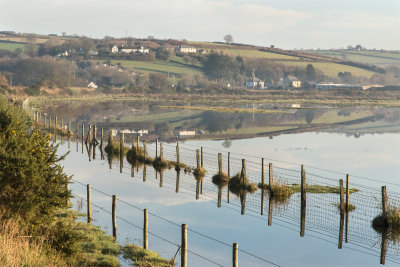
198,158
102,137
55,123
243,170
235,262
156,148
220,164
161,151
384,201
114,215
83,131
137,144
145,228
184,246
341,195
144,149
89,204
202,157
49,122
270,174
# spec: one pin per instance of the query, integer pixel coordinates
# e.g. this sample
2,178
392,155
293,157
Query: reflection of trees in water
227,143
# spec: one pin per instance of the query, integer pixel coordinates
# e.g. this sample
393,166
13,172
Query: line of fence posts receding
343,192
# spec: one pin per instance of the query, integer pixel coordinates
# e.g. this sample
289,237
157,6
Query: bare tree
228,39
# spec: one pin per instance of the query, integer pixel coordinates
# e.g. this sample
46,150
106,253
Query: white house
92,85
255,83
187,49
114,49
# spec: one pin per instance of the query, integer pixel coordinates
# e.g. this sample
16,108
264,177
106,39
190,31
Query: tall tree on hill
228,39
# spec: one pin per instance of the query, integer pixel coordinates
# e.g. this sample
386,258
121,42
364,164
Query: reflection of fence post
114,215
346,237
184,246
178,174
229,171
270,174
384,201
383,247
235,262
269,211
347,193
262,186
145,226
342,209
303,201
137,144
220,164
102,137
89,204
144,149
202,156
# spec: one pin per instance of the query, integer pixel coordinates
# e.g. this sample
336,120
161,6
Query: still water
371,160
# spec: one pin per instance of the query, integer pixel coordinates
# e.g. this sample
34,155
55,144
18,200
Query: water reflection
288,209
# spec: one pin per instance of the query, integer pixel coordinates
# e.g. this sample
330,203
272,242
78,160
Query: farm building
187,49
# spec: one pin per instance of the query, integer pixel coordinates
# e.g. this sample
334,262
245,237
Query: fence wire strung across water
322,213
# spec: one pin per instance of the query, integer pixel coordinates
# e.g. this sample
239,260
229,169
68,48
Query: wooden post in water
144,149
184,246
133,143
220,164
49,122
303,202
137,144
69,127
262,185
156,147
121,152
55,123
145,227
341,195
177,153
161,151
62,123
341,230
270,174
95,135
347,193
198,158
202,161
83,131
235,261
89,204
346,236
77,130
384,201
219,196
114,215
243,171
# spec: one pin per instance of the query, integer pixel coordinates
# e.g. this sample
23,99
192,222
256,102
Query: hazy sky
284,23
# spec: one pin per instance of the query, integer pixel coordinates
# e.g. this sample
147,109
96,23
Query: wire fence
322,212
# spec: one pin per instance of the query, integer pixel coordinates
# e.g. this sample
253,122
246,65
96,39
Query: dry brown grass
17,249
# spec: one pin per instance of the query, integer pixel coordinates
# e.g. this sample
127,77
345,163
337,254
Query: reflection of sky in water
373,156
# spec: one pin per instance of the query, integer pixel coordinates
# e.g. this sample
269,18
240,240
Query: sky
288,24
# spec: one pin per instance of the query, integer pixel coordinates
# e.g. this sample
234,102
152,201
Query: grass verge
145,258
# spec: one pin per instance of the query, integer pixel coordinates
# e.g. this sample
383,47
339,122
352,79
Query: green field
373,57
332,69
11,46
159,66
253,54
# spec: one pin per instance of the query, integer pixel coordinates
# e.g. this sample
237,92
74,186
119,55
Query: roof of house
292,78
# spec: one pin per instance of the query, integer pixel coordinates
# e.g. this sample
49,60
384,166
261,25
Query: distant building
186,49
255,83
187,133
114,49
295,105
92,85
290,82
